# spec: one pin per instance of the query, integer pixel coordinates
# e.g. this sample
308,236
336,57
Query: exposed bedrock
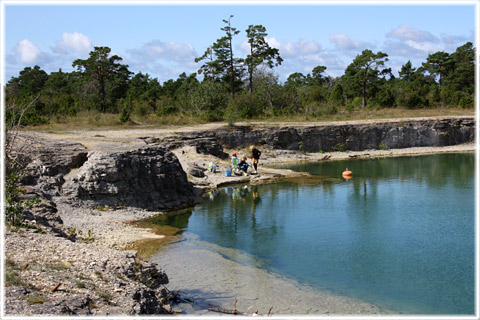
150,178
392,135
49,161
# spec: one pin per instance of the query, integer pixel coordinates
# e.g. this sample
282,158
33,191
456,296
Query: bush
165,106
125,116
466,102
339,147
15,162
208,98
336,95
354,104
141,108
245,105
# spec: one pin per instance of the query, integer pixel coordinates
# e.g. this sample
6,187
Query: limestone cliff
150,178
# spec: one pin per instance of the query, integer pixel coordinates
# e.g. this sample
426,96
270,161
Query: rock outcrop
50,161
205,142
150,178
355,137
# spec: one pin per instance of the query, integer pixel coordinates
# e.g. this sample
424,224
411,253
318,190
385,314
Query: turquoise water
400,234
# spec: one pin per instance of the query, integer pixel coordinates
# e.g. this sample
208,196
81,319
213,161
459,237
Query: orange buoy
347,174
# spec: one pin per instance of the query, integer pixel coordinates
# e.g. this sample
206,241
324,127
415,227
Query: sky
163,39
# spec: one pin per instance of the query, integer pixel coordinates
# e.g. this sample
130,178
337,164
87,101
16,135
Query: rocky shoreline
92,183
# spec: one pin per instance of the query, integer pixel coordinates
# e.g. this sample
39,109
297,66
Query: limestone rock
150,178
49,162
196,171
355,137
204,142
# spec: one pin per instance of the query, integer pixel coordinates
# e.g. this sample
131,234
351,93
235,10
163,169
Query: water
399,236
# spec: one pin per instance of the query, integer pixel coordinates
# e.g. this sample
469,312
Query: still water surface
399,234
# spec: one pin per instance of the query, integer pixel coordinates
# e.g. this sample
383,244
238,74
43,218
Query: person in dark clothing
255,157
243,165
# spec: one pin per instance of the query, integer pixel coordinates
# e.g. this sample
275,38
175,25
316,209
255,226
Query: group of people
241,166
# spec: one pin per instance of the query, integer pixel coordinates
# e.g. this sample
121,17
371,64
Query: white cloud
163,59
424,46
155,50
406,32
244,47
28,52
299,48
344,42
75,43
411,42
273,42
286,48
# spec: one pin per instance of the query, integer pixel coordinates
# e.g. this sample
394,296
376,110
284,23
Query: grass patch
56,266
12,279
107,297
36,300
92,120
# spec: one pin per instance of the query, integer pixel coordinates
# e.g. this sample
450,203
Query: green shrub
354,104
466,102
339,147
141,108
245,105
125,116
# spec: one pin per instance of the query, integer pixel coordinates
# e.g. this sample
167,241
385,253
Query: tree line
241,88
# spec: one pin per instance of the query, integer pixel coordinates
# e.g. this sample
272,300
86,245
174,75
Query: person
234,161
255,157
243,166
212,167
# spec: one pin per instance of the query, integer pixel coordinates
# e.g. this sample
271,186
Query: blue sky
163,40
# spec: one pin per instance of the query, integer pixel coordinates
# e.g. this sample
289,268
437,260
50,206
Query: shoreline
220,278
108,224
111,228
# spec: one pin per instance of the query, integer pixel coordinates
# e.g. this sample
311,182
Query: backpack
228,173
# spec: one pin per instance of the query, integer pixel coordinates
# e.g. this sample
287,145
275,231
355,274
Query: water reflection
400,232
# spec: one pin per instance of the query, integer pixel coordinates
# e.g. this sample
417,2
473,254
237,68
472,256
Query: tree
107,75
211,68
138,86
317,77
438,64
407,71
224,51
336,95
462,75
221,62
296,79
365,70
153,93
29,83
260,52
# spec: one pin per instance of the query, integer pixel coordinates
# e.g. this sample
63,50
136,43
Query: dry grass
92,120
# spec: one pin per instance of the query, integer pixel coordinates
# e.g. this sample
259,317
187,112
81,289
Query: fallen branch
56,287
235,311
325,157
228,311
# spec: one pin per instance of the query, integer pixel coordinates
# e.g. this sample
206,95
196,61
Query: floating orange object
347,174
